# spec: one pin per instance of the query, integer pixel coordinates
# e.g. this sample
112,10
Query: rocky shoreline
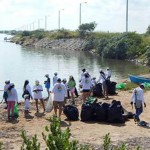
76,44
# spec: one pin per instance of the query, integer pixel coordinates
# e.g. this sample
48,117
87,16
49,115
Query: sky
110,15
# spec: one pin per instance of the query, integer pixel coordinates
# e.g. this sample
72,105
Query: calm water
19,63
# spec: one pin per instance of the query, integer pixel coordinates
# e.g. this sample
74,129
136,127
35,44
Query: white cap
107,68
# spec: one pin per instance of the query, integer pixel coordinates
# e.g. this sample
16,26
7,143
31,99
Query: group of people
64,89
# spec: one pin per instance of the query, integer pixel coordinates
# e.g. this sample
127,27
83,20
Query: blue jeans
138,112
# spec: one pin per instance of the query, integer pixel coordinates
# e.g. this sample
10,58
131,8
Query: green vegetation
1,145
122,46
55,139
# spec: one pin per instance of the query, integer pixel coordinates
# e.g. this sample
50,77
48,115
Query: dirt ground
89,132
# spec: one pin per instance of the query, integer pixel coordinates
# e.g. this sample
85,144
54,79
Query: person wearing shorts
86,84
59,91
37,89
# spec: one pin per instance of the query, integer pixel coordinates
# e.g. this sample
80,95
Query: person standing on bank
71,86
102,79
47,84
59,91
11,100
55,78
86,84
138,100
37,89
5,94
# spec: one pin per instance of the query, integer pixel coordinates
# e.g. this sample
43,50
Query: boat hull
138,79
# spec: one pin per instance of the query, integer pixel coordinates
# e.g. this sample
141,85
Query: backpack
71,112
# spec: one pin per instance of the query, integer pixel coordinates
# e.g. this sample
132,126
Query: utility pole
127,16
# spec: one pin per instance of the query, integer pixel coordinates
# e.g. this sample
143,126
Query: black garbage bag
97,90
115,112
100,111
71,112
112,88
87,112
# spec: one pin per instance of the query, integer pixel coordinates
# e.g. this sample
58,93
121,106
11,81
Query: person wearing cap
47,84
59,91
5,94
37,90
108,73
138,100
102,79
55,78
86,84
11,100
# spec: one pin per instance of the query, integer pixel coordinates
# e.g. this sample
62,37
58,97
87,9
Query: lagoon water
19,63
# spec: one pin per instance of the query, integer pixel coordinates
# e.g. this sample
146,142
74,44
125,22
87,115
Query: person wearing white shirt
108,73
12,99
86,84
37,89
138,100
55,78
102,80
59,91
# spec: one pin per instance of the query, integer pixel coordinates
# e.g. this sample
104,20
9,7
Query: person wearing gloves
138,100
11,100
59,91
37,89
47,84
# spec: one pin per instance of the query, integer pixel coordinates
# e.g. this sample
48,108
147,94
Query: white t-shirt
86,83
59,91
12,95
108,73
138,94
28,88
102,78
55,80
38,94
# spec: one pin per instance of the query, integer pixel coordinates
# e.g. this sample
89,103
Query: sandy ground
91,132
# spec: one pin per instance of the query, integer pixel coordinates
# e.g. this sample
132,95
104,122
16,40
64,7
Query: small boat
138,79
